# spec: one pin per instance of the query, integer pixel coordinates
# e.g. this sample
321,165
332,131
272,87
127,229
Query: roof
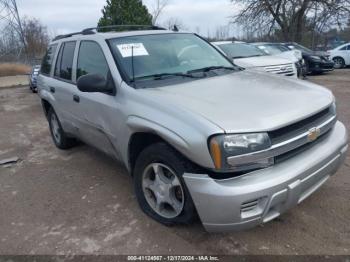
265,43
227,42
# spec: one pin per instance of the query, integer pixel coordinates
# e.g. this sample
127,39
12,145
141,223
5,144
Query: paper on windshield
138,49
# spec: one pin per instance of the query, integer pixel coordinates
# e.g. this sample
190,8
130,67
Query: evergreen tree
125,12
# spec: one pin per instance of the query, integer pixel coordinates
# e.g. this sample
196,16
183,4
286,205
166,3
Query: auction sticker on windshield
127,50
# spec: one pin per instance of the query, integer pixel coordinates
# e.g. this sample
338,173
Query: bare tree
289,17
157,9
222,32
36,38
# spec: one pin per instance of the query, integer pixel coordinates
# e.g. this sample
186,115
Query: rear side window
347,47
64,64
48,59
91,60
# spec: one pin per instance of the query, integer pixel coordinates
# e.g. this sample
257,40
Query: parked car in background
284,52
313,63
251,57
33,76
340,55
199,135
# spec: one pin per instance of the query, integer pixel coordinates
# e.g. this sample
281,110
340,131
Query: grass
11,69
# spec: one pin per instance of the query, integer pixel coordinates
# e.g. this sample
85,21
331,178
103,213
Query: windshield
165,56
270,50
302,48
236,50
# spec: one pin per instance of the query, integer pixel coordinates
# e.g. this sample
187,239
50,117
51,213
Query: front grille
299,128
286,69
293,130
297,151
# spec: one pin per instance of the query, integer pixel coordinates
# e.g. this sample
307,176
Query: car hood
246,101
260,61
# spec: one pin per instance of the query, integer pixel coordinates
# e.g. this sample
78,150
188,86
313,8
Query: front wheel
160,188
338,62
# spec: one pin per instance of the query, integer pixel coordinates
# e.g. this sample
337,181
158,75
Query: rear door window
48,59
64,64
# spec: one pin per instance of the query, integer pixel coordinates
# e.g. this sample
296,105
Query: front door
96,110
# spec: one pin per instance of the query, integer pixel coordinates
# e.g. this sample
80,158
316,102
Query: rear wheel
60,138
160,188
338,62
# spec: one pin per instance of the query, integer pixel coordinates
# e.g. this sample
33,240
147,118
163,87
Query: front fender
196,152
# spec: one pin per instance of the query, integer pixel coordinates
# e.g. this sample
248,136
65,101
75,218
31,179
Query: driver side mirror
96,83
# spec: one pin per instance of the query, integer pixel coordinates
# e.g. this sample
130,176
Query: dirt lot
7,81
81,202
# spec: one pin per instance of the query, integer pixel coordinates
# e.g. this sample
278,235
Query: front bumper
260,196
323,66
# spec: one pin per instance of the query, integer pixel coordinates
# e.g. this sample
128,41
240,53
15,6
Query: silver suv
200,136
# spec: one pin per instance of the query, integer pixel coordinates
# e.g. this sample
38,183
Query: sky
64,16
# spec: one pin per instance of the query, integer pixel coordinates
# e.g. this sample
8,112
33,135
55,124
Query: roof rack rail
91,30
73,34
126,27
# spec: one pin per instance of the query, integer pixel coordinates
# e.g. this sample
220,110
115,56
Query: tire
307,69
59,137
338,62
172,166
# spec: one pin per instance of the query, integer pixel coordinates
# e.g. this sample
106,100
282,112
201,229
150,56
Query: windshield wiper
162,75
211,68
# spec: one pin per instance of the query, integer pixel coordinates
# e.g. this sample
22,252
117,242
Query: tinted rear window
64,65
48,59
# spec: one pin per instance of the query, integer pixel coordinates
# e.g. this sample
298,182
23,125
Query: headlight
224,146
334,107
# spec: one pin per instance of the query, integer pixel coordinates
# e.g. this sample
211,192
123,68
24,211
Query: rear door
344,52
63,86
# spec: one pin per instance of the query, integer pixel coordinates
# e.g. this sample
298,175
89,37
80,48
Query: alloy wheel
163,190
338,63
55,128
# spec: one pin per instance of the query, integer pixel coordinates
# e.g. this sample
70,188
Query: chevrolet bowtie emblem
313,134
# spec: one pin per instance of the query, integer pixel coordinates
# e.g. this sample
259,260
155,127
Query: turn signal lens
216,153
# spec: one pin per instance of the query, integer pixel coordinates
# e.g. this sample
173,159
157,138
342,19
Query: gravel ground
82,202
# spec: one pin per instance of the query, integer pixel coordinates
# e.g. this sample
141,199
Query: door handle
52,89
76,98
